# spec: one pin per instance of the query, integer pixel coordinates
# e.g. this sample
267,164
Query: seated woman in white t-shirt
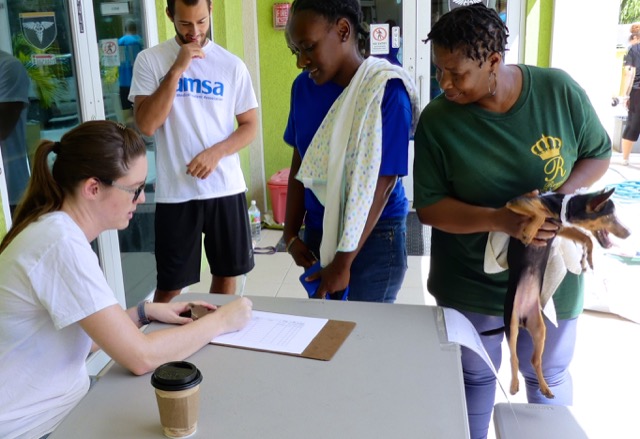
55,303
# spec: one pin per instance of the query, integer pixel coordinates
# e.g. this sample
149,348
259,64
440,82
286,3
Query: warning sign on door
379,39
109,53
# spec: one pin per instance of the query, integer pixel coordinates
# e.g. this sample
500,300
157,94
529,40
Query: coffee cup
177,386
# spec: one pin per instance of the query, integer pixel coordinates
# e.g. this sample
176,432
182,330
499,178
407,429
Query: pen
244,281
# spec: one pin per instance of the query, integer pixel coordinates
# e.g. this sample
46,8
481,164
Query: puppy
594,212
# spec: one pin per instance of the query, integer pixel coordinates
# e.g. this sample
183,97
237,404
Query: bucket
277,185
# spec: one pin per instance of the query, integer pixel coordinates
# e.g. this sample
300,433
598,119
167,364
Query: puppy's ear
599,200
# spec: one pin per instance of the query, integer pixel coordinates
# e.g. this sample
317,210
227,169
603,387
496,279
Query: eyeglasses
136,192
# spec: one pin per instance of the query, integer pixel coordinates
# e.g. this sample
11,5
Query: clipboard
328,340
322,346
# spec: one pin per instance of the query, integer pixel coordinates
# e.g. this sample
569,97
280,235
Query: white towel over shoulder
342,163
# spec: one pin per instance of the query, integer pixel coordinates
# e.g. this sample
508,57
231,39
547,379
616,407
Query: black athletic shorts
632,128
124,98
179,229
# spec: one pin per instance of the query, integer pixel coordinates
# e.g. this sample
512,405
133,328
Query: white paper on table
274,332
460,330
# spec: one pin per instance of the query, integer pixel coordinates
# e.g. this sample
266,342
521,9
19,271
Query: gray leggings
480,383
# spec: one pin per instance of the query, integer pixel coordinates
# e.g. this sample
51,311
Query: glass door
38,35
120,36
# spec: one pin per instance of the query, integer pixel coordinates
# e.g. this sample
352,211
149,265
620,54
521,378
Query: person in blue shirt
369,257
130,46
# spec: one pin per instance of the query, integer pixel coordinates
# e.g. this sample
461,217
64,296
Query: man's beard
184,40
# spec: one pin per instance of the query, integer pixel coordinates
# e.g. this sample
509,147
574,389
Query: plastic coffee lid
176,375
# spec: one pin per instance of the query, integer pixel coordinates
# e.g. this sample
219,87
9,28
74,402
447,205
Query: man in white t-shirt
189,93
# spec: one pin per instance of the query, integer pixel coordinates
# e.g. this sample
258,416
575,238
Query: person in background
14,100
55,302
130,45
498,131
354,207
633,40
631,90
502,10
189,92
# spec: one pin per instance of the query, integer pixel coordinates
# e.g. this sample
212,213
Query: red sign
280,15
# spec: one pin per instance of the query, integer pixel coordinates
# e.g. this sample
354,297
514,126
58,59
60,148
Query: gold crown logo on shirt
547,147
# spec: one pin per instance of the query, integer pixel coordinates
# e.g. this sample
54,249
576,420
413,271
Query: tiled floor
277,275
607,356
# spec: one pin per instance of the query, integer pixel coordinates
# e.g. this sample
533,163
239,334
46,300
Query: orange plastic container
277,185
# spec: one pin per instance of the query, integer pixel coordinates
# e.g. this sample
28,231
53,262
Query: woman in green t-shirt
498,131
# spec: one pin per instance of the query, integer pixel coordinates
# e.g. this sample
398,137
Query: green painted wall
538,31
165,27
277,72
227,25
227,32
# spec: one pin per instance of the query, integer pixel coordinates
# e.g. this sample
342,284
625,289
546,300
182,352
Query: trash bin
277,185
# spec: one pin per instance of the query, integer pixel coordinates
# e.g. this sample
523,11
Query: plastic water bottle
255,222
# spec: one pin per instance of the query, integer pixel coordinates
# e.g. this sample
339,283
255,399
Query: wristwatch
142,316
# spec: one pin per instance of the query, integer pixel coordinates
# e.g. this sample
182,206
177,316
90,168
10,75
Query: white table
395,376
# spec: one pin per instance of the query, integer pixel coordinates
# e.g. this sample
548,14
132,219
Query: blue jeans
378,270
480,383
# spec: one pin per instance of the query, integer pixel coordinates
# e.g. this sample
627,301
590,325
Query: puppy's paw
546,391
528,234
515,385
584,262
526,240
589,261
